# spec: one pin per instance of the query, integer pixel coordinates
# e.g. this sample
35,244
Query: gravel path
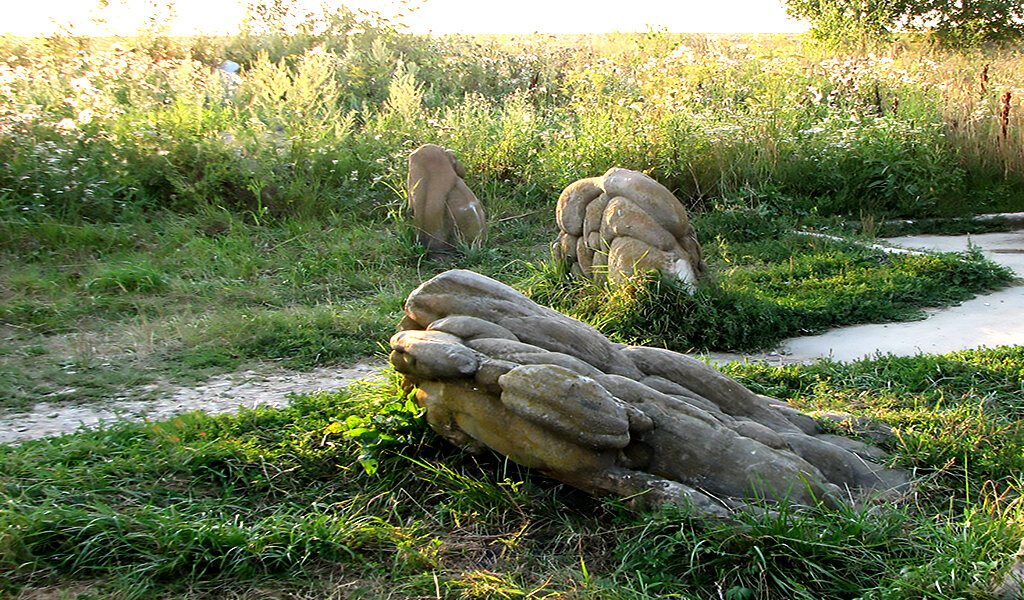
227,393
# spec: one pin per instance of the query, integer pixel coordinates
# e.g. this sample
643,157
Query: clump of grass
127,278
956,414
297,338
792,554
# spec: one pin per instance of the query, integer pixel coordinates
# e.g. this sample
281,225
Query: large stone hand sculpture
625,222
444,209
493,369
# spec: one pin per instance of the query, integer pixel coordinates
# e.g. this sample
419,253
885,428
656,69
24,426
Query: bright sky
123,17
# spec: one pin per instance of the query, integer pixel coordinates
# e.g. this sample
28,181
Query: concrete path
991,320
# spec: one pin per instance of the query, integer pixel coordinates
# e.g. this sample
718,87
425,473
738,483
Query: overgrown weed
315,121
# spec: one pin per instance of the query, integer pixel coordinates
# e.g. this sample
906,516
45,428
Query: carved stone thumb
445,211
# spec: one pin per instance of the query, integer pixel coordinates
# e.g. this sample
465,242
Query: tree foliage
952,22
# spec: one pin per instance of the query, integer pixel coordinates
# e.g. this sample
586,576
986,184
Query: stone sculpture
494,369
622,223
444,209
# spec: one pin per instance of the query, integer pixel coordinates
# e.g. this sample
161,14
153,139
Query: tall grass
317,123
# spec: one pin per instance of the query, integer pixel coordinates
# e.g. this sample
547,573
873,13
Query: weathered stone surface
444,209
525,354
496,370
436,354
471,328
466,293
573,204
623,223
571,405
1011,586
469,417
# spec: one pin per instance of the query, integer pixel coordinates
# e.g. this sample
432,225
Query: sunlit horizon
224,17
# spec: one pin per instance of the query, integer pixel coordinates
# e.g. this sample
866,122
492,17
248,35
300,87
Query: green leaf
333,428
370,465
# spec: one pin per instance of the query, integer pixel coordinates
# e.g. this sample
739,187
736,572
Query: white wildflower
81,83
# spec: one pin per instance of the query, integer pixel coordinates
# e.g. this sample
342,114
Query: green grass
278,502
322,123
174,231
955,412
156,225
770,282
100,308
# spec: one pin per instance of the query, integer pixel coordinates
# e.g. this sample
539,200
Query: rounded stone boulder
445,211
623,223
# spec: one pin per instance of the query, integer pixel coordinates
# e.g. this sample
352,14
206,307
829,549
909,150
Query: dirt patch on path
264,386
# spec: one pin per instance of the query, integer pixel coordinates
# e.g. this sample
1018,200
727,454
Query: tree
971,22
952,22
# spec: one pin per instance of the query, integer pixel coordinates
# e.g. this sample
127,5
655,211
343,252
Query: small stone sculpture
444,209
494,369
623,223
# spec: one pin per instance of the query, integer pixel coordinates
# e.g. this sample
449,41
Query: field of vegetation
162,220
